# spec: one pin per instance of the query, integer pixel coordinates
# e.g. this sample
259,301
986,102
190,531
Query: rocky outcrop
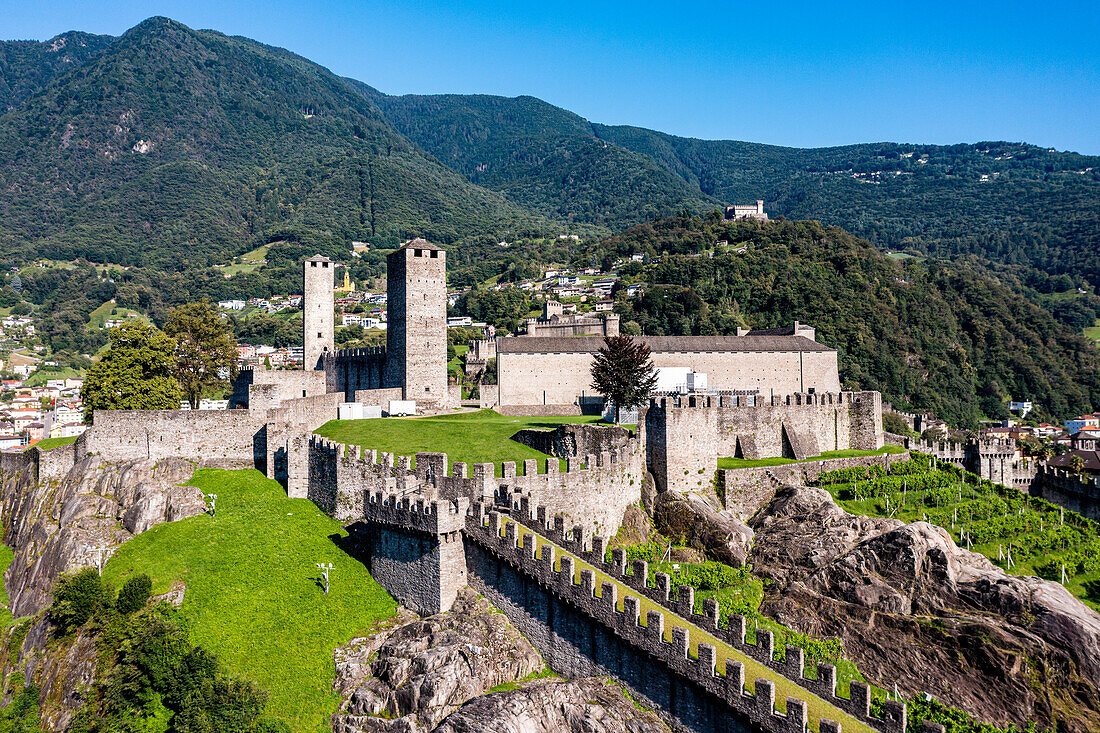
62,669
434,674
54,524
425,669
590,704
916,610
692,520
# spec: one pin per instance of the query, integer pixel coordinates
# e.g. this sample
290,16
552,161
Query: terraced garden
1022,534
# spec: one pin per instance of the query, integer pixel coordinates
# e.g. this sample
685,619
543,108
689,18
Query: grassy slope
747,463
49,443
472,437
6,556
253,591
1093,332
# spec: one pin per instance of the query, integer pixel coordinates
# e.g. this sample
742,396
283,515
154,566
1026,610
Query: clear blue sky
788,73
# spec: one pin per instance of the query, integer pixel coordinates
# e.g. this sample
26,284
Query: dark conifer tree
623,372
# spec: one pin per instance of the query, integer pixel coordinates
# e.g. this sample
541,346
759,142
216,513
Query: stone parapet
417,513
728,685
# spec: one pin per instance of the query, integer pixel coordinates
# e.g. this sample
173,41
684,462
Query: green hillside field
253,593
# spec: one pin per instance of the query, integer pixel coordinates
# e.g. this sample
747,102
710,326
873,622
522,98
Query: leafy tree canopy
138,372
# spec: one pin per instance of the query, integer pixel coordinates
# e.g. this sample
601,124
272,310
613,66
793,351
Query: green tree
76,598
623,372
136,373
206,353
134,594
1077,464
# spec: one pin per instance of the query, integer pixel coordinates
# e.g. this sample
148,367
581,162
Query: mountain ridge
287,149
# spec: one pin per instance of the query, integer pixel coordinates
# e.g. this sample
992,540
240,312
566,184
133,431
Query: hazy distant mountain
176,147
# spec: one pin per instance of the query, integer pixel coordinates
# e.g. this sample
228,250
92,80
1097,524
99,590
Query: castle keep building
416,337
319,329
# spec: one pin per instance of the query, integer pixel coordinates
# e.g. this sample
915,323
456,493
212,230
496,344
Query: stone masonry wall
561,378
580,632
228,436
746,490
686,435
573,440
1072,490
594,491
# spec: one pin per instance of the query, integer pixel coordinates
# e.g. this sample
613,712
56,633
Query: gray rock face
717,533
591,705
426,668
52,526
434,675
913,608
63,671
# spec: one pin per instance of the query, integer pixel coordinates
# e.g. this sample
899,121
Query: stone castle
428,528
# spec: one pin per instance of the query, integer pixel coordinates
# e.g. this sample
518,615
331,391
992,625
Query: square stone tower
416,334
318,307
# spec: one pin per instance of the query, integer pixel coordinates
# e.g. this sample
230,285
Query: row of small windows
433,253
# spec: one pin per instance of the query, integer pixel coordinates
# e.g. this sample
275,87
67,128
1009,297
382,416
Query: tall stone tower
318,307
416,335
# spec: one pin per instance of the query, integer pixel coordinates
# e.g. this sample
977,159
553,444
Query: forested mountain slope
1011,202
26,67
542,157
935,336
176,148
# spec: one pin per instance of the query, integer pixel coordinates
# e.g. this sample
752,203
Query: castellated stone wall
1074,491
582,633
353,370
593,491
686,435
416,337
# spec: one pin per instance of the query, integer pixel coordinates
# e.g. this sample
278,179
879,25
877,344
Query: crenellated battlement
709,401
416,513
518,549
594,490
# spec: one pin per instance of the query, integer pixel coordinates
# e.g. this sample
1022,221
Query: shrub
76,598
134,594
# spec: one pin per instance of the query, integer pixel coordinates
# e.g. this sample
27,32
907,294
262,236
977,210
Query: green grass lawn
106,312
454,366
49,443
471,437
1093,332
253,594
760,462
44,374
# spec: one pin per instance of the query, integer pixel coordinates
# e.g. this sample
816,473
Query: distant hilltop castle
741,212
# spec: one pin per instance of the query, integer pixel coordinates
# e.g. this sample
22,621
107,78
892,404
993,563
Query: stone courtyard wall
685,435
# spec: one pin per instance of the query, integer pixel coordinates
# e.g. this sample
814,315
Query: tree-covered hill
26,67
1009,202
944,337
177,148
542,157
